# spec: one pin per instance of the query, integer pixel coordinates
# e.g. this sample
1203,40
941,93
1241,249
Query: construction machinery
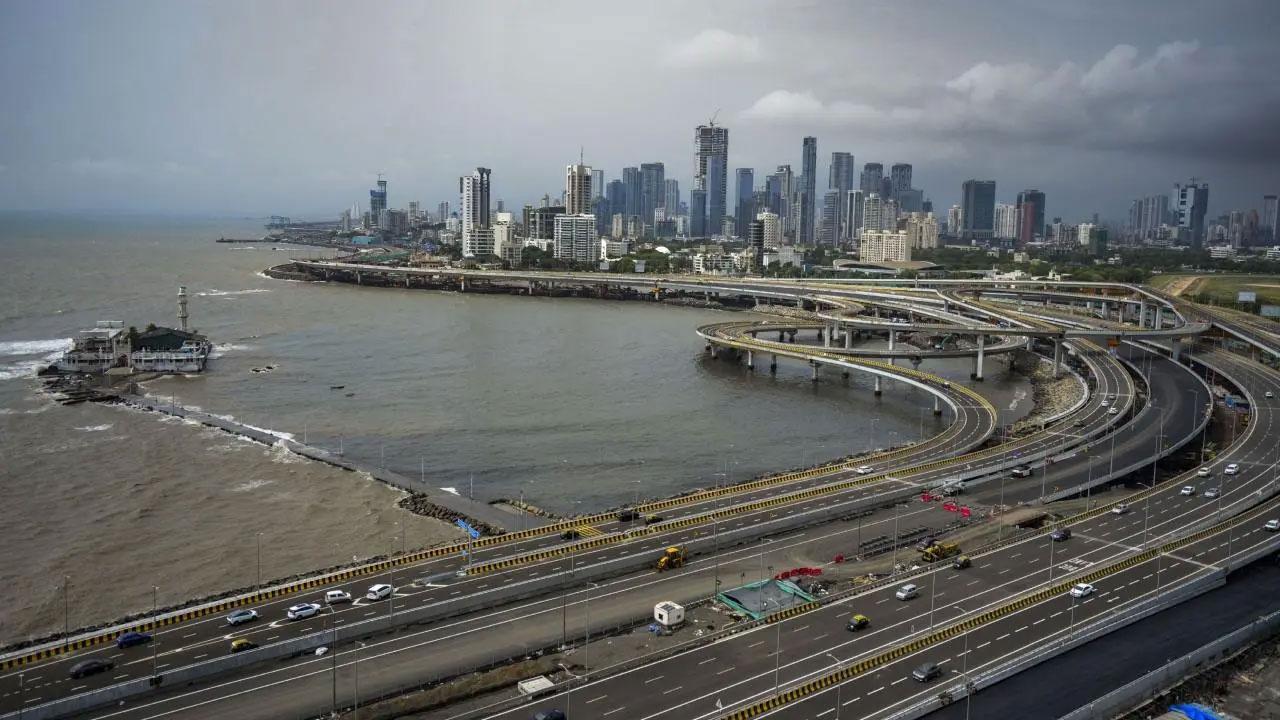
672,557
939,551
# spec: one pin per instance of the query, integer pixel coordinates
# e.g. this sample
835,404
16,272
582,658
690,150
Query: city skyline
192,131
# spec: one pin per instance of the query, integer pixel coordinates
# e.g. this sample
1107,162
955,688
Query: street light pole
259,587
355,697
333,650
155,636
895,538
66,609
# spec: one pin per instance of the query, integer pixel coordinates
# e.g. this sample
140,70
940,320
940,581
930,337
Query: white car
381,591
1120,509
906,592
1231,469
1211,493
1082,590
1114,411
1105,403
1272,525
335,597
1269,394
1204,472
863,470
1188,489
302,611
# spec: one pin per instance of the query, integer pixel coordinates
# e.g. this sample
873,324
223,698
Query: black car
626,515
1060,534
92,666
651,519
926,672
570,534
550,715
131,638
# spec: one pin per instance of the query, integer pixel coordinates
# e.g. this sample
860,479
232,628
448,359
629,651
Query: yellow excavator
939,551
672,557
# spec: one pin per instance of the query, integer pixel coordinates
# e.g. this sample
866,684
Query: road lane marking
596,699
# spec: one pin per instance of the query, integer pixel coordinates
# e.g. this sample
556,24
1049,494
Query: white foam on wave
249,485
95,428
280,453
229,293
451,490
223,348
50,350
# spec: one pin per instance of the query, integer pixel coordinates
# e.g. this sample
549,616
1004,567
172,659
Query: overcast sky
294,107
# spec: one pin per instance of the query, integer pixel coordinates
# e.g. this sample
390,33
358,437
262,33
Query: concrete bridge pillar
359,278
773,365
1142,314
1159,317
462,284
848,339
751,360
978,360
800,303
826,336
893,339
1057,358
877,391
782,336
813,367
793,336
715,352
1176,346
937,405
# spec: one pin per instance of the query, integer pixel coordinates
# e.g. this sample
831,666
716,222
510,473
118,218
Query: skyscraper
577,189
378,200
785,182
709,141
755,241
840,179
634,184
576,239
474,189
869,182
1189,204
1030,216
808,201
872,213
1267,224
853,213
772,229
829,230
671,197
597,184
744,211
900,176
978,209
697,213
1006,222
652,190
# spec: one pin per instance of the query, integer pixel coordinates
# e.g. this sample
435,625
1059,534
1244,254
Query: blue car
130,639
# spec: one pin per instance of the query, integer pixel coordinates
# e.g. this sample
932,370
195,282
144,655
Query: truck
672,557
939,551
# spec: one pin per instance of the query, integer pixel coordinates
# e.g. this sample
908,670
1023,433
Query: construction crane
714,115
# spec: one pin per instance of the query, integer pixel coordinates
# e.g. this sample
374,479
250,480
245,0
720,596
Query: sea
575,405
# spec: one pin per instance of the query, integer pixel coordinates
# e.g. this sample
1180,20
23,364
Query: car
961,562
381,591
301,611
1060,535
1269,395
1272,525
1080,423
926,672
1204,472
550,715
570,534
1231,469
92,666
1106,403
337,597
1114,411
131,638
1082,590
863,470
1021,471
1120,509
1187,490
651,519
626,515
906,592
240,617
242,644
1211,493
858,622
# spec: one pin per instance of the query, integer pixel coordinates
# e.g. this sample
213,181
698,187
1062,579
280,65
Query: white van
381,591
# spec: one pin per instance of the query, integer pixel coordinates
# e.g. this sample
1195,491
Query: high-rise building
577,189
1190,202
853,213
344,220
540,223
870,180
442,211
671,197
652,190
886,188
1030,216
697,213
922,230
784,181
616,198
1269,223
884,246
474,189
840,179
1006,222
872,213
744,210
505,244
955,219
414,210
716,214
772,229
597,184
709,141
575,238
978,209
378,200
755,242
808,200
829,230
632,180
900,177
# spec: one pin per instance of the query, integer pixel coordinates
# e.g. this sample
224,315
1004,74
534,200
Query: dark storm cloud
291,106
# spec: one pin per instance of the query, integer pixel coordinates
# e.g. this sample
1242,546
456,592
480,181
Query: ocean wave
249,485
35,347
221,349
280,453
227,293
95,428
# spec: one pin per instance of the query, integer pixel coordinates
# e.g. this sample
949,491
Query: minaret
182,308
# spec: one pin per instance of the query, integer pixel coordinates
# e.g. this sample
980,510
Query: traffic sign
474,533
